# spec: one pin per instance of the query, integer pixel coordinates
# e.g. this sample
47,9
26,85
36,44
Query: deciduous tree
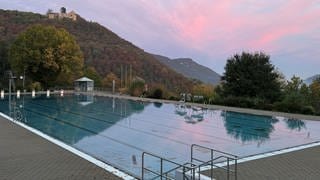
107,81
46,53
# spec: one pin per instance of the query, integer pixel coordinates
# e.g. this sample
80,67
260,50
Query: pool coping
73,150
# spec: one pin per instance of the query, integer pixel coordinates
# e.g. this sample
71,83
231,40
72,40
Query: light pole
23,79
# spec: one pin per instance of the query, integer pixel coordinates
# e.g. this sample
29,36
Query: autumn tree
205,90
107,81
46,53
251,75
136,87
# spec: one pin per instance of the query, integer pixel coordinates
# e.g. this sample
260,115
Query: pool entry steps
168,169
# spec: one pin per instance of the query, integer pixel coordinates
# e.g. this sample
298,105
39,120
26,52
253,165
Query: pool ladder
191,170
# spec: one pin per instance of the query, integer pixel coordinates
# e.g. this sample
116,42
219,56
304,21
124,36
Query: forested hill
103,49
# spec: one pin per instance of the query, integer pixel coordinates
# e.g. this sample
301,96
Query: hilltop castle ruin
63,14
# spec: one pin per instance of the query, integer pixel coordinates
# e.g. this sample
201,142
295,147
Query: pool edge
73,150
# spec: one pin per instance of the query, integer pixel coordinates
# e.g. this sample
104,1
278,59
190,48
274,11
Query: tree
91,73
4,65
294,85
107,81
136,87
297,97
315,95
205,90
251,75
46,53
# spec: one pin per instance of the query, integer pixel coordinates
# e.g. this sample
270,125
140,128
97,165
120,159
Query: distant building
84,84
63,14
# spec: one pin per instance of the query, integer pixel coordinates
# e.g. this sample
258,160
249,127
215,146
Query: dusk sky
208,31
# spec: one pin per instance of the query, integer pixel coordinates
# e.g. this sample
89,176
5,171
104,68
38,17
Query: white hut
84,84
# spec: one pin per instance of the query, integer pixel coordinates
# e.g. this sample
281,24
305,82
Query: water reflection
157,104
295,124
191,115
72,118
16,109
85,100
247,127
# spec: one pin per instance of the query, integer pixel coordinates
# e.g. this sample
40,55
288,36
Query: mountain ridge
309,80
191,69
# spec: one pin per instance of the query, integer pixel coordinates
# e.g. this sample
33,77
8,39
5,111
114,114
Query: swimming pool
117,131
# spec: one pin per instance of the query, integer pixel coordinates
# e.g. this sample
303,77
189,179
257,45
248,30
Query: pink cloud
198,24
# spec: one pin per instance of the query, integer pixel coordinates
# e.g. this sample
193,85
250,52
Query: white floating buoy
48,93
33,93
61,92
2,94
18,94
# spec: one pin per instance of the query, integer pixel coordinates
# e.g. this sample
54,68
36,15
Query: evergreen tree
251,75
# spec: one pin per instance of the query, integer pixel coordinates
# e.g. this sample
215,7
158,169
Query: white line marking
264,155
85,156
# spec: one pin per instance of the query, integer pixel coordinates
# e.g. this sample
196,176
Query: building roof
84,79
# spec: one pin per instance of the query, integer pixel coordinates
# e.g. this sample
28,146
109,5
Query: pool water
117,131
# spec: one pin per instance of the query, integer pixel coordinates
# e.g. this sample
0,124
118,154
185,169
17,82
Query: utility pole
130,72
121,77
126,76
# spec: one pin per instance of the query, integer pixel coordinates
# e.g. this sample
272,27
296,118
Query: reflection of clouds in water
247,127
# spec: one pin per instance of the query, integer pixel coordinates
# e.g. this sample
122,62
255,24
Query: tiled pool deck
24,155
297,165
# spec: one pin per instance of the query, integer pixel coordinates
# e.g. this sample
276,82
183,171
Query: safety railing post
161,168
236,169
211,169
142,172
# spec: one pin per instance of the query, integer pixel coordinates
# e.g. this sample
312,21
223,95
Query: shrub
157,93
136,88
35,86
307,110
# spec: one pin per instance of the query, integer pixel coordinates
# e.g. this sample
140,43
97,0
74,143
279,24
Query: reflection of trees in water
248,127
295,124
65,119
157,104
190,114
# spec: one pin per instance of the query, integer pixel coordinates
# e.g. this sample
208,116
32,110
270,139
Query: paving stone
302,164
24,155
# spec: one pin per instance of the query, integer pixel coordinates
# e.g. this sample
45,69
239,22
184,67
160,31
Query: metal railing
223,159
191,170
162,174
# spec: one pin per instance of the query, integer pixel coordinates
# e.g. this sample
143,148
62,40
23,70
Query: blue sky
209,31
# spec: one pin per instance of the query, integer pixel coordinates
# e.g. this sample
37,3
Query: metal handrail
193,168
210,162
214,150
161,174
181,166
